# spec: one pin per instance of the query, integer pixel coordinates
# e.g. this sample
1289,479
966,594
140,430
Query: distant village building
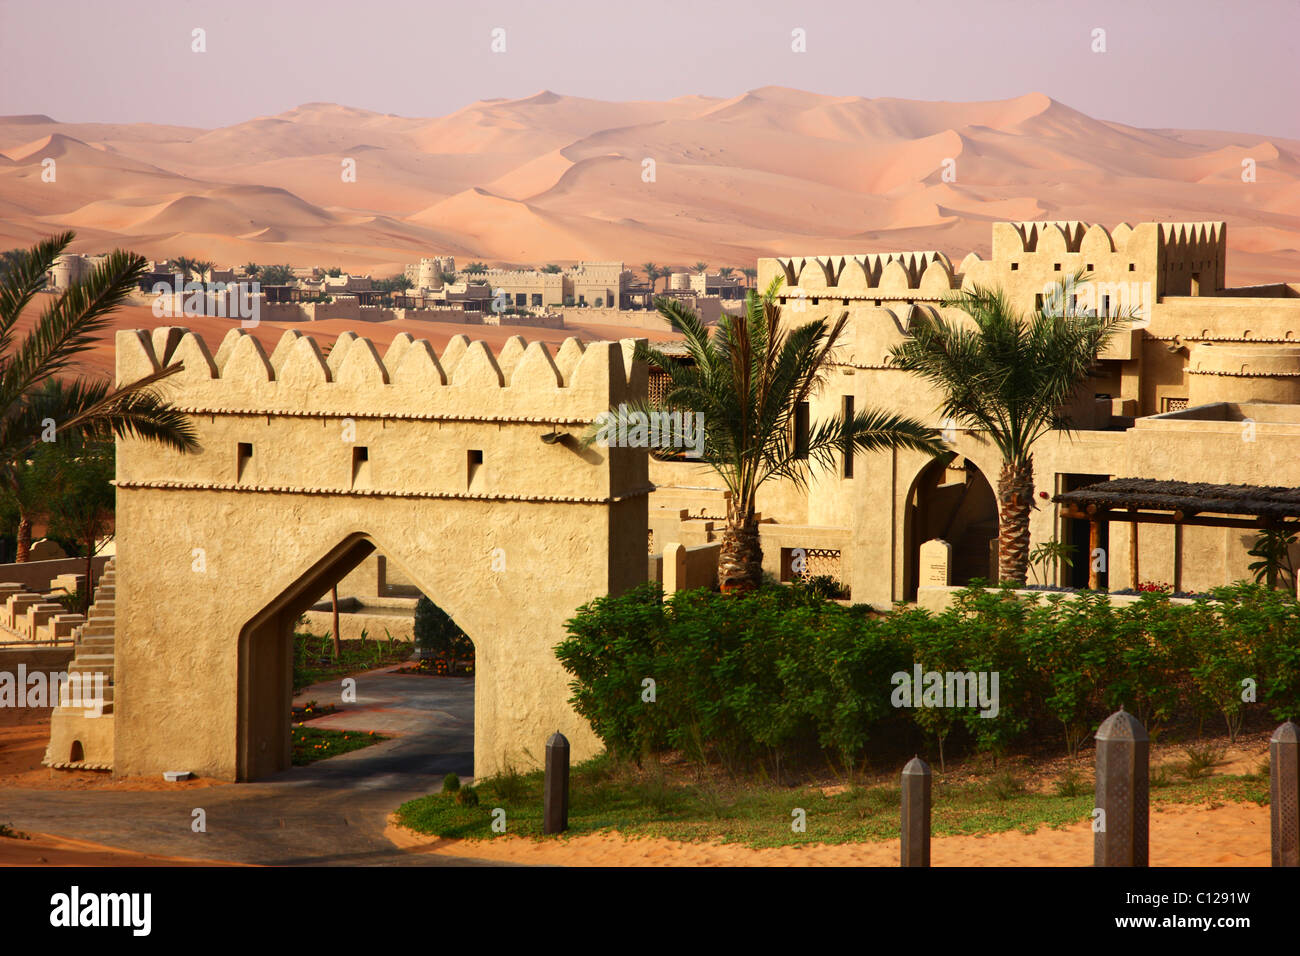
71,268
588,284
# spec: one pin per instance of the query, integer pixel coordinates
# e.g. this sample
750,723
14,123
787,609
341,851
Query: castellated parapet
292,406
1174,258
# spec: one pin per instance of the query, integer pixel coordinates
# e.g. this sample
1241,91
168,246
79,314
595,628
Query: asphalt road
330,813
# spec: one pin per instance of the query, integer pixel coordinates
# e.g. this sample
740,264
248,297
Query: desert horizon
555,178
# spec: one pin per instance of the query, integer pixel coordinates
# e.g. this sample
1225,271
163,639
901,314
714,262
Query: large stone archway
463,468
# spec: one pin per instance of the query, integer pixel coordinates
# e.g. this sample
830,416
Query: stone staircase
81,737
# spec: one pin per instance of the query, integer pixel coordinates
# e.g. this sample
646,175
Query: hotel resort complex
462,474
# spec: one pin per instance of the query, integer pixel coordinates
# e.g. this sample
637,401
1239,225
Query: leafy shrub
781,674
467,797
450,783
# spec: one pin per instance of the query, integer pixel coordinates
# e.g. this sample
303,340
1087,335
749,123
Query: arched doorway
267,656
952,500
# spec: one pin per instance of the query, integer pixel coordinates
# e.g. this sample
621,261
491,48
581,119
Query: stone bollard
1123,752
915,847
555,792
1284,793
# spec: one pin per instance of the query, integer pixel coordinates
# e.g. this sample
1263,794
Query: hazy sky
1221,64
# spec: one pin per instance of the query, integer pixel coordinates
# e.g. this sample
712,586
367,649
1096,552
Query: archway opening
951,500
290,660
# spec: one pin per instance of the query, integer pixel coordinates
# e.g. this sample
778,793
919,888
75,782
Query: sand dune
557,178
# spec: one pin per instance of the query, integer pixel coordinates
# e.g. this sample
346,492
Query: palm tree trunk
24,543
740,563
1015,501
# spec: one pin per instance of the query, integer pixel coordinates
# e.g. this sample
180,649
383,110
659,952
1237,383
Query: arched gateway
464,468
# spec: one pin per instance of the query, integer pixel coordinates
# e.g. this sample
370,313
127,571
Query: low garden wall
938,598
36,576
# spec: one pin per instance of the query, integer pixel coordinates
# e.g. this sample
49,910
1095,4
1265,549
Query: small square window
1056,267
1132,267
1090,266
1015,266
360,466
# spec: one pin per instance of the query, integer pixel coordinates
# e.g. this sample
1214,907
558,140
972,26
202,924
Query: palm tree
701,267
750,275
36,405
1010,376
652,272
748,378
551,268
476,268
725,272
277,275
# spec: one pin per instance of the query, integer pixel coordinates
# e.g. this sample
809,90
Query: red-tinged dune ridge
554,178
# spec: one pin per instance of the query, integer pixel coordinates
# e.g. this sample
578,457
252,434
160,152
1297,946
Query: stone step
98,628
100,645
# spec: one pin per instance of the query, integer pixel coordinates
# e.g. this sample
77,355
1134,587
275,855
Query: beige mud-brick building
1205,387
592,284
462,468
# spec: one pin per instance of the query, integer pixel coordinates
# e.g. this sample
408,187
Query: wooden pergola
1178,503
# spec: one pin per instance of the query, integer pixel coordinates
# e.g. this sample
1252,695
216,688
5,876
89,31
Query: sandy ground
44,849
1232,835
22,746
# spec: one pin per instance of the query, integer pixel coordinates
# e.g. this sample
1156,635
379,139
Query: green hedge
783,674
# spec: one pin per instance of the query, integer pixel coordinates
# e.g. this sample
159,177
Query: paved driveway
329,813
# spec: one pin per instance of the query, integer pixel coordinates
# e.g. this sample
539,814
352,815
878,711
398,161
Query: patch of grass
311,744
8,832
1161,776
1201,761
1071,784
314,663
1004,785
605,795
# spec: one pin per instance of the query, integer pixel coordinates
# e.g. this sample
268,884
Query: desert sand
1236,834
45,849
553,178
